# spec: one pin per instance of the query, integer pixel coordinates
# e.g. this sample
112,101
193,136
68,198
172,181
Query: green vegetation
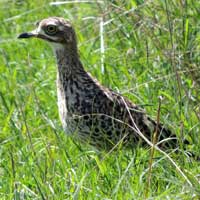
152,49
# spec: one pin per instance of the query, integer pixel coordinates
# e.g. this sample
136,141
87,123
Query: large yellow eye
51,29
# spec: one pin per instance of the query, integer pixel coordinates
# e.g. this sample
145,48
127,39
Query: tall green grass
151,49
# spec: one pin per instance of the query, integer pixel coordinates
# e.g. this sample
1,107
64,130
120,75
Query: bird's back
100,117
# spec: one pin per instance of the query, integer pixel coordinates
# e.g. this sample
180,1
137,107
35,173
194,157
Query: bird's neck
68,63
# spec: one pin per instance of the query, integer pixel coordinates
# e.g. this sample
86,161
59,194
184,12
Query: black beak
26,35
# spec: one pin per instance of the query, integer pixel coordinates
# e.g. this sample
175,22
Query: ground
142,49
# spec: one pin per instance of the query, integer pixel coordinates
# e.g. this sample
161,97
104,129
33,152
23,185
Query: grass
151,49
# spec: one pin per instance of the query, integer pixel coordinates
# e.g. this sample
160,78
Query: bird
89,111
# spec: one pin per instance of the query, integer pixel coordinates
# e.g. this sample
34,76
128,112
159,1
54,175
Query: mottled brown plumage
91,112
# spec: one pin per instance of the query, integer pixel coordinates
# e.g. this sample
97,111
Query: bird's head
55,30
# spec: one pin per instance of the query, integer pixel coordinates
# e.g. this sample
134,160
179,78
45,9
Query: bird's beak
28,35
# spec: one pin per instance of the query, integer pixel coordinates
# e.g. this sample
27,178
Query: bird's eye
51,30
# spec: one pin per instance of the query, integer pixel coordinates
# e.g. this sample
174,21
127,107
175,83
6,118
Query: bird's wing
137,118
